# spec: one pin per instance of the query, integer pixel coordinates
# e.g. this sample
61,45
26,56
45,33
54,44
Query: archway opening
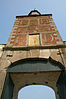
36,92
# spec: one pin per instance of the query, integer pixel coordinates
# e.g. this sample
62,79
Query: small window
34,39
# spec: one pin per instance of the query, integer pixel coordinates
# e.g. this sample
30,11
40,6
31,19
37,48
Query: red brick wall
39,24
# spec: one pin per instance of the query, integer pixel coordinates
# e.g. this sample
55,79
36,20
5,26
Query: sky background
36,92
9,9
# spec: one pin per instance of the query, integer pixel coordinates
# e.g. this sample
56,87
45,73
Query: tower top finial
34,8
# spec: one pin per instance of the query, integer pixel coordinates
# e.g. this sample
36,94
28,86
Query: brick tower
34,55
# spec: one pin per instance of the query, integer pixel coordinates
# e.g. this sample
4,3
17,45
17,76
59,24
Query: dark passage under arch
35,65
32,66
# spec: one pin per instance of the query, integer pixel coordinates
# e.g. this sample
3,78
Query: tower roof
34,12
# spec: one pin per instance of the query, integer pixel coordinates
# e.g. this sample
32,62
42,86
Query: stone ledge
35,47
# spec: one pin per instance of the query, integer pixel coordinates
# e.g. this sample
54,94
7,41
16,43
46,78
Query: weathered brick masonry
42,24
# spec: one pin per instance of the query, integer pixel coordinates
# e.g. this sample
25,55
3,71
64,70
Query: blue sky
36,92
9,9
